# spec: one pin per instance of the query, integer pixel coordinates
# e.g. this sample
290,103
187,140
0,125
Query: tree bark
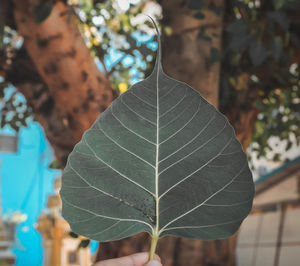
75,91
186,57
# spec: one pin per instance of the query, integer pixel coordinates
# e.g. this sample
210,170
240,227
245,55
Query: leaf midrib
156,229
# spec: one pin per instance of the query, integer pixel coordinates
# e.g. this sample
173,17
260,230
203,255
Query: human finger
138,259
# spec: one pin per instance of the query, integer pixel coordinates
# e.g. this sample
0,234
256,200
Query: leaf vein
173,107
126,177
211,196
227,205
176,117
106,229
195,150
124,147
151,105
104,216
199,133
213,158
169,91
107,194
142,117
130,129
203,226
147,89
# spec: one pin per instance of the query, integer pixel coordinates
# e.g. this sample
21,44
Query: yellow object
123,87
96,41
59,248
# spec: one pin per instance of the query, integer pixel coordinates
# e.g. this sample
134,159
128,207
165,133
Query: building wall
26,182
285,190
270,238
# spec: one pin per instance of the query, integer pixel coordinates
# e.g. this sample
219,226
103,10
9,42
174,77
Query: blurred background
63,62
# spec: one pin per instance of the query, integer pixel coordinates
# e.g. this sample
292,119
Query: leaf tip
158,57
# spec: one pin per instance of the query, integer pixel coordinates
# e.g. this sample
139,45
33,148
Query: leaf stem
153,247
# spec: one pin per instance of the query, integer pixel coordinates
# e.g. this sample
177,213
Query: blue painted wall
26,182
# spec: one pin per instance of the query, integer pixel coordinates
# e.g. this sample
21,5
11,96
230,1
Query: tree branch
66,89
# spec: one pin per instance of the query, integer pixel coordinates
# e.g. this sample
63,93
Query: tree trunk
186,57
75,91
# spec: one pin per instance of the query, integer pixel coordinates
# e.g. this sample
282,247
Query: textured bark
243,121
185,56
74,90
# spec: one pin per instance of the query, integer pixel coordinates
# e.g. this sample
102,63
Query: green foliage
278,3
108,30
55,164
257,52
279,117
203,36
257,63
215,55
84,243
42,11
13,109
73,235
1,35
196,4
257,58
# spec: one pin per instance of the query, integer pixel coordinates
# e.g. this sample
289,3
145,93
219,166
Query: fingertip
153,263
144,256
156,257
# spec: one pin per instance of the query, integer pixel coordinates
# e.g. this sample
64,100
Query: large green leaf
160,159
